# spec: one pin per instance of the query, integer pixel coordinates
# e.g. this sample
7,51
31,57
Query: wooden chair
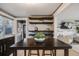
31,53
44,52
52,52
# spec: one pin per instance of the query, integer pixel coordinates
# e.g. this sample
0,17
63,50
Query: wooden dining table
48,44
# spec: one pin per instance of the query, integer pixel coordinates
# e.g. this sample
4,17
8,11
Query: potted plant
39,37
77,28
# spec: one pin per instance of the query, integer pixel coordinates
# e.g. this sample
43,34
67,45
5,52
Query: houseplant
77,28
39,37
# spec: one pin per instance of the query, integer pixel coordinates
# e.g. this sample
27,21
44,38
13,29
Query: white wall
71,12
40,26
56,14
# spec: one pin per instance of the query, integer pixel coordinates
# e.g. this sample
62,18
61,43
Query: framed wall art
66,25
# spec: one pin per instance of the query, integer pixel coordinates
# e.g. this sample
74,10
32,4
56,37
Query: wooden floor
59,53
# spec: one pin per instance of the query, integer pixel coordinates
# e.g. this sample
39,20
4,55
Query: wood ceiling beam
61,8
57,8
7,13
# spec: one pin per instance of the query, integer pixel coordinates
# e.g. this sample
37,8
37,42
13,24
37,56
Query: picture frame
66,25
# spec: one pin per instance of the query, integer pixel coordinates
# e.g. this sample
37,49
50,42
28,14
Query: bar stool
30,52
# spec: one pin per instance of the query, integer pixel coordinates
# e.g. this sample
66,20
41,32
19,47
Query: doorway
21,29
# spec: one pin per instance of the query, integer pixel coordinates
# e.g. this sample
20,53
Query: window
1,27
6,26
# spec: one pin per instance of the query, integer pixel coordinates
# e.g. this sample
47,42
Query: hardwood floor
59,53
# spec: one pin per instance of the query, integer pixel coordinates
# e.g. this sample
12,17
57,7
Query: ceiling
27,9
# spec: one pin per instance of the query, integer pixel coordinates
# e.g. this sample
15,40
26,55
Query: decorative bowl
39,40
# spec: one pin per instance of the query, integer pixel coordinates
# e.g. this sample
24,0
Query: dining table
47,44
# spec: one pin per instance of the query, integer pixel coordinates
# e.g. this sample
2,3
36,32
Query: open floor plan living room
39,29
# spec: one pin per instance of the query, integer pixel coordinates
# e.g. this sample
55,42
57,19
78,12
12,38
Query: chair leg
54,52
38,52
43,54
51,52
24,52
28,52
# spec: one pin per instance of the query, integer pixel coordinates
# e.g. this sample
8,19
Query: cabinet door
10,41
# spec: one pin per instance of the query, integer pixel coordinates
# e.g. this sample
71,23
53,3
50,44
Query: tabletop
49,43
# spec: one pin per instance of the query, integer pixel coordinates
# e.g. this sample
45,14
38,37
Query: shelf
41,22
41,31
45,34
41,17
31,34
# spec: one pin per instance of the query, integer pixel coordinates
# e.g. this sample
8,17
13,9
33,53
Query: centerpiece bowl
39,37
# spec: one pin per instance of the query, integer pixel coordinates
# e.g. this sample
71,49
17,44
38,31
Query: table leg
66,52
29,52
54,52
15,52
43,53
24,52
51,52
38,52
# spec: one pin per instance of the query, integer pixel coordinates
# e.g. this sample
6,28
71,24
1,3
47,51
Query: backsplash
40,27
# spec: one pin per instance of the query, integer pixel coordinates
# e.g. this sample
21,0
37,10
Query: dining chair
51,51
44,52
32,52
